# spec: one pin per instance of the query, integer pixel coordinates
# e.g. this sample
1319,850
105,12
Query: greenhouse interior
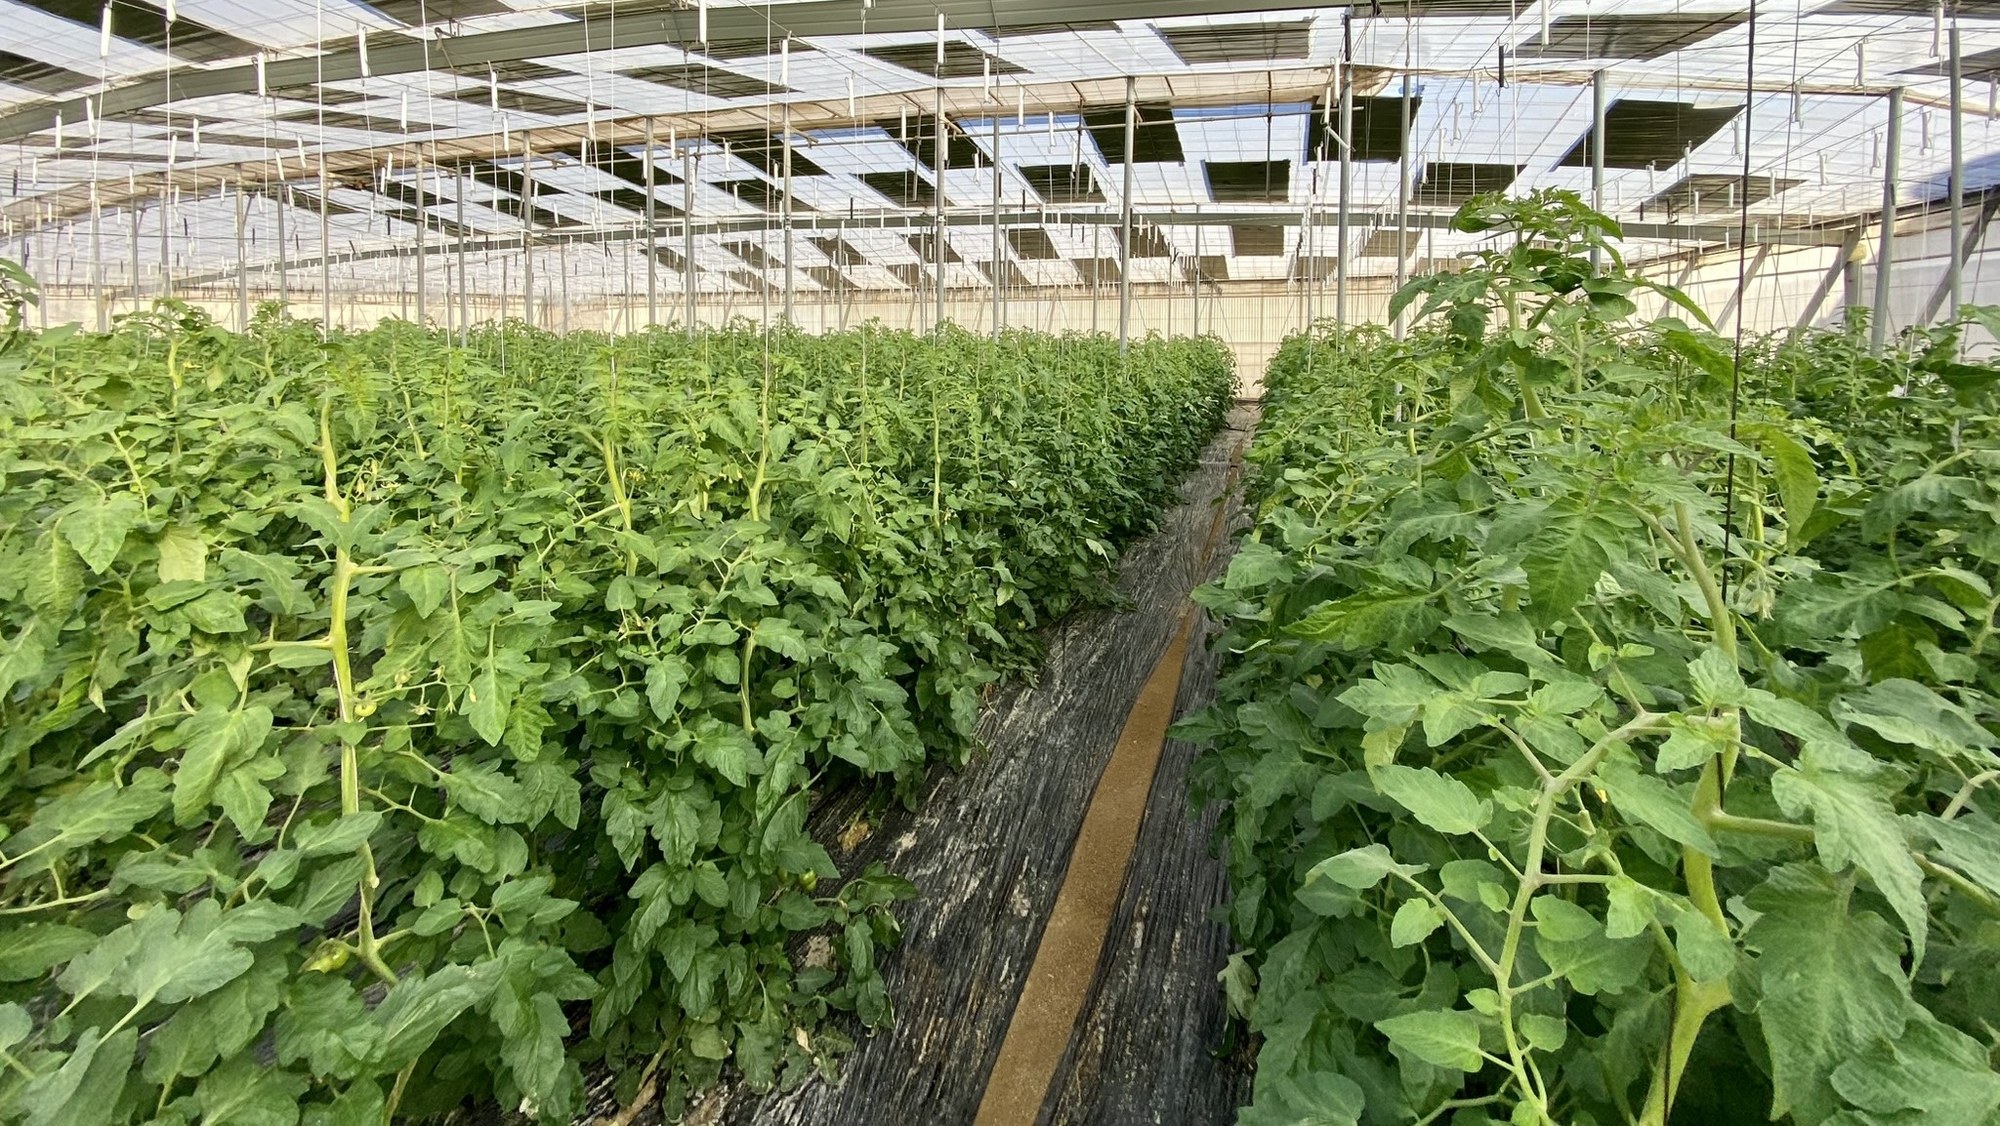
858,562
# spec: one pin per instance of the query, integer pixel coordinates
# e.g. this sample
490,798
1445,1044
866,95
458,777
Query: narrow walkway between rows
991,848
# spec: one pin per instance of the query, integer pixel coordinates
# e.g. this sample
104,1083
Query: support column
1838,267
1125,217
1194,318
423,222
1885,251
166,246
652,237
242,260
1346,184
528,234
941,159
284,278
1955,271
786,203
1403,186
97,258
1599,96
138,292
688,270
325,256
464,302
993,157
1965,240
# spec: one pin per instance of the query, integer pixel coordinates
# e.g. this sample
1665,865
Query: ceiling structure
144,144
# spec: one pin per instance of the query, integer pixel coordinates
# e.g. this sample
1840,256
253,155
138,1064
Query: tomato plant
389,724
1597,746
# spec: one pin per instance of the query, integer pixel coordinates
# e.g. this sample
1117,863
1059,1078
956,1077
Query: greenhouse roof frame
1045,106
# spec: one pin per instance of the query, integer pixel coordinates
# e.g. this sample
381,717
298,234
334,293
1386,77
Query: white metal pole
1346,184
242,260
688,270
1599,96
1957,267
652,236
1125,217
1885,252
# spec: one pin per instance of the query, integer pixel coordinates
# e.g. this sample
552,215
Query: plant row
1607,730
387,724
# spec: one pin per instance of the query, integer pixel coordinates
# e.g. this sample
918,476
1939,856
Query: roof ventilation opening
925,247
1155,139
1447,183
1208,268
1032,244
1378,128
1646,134
417,13
1710,194
711,81
519,101
142,23
1248,181
1240,43
961,59
1059,183
903,189
1385,243
1257,241
41,77
766,153
1097,271
1315,268
759,194
754,253
1646,36
838,251
918,136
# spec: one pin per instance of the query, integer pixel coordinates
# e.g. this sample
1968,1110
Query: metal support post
242,259
423,221
652,236
1194,313
1965,241
1346,186
1125,217
1833,274
138,293
1885,251
1956,270
528,234
1600,94
284,279
787,204
97,258
941,159
688,269
1403,186
325,255
166,246
464,302
993,157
